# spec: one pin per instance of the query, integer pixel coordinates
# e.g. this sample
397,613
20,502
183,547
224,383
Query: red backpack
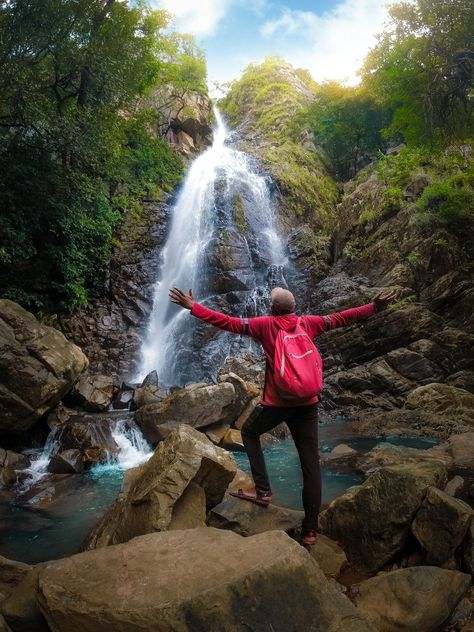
298,366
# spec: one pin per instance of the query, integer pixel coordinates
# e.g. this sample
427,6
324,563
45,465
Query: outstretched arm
319,324
228,323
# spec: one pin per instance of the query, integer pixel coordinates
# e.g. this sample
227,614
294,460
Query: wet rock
232,440
8,477
151,379
247,518
38,366
196,407
93,392
17,461
185,456
11,574
59,415
90,435
461,447
66,462
417,598
3,625
252,589
147,395
228,257
21,609
123,400
461,615
372,520
329,556
440,525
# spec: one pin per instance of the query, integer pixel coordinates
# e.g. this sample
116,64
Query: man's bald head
283,301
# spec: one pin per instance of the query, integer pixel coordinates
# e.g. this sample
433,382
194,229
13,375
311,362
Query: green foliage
346,123
272,98
449,204
422,70
76,147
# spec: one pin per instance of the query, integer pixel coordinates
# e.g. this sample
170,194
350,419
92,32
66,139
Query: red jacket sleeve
229,323
319,324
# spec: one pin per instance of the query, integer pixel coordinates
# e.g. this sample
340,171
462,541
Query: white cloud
202,17
198,17
330,46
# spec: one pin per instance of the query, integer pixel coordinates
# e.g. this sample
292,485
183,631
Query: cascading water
224,244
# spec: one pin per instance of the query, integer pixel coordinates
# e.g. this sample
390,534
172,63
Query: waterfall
133,450
223,243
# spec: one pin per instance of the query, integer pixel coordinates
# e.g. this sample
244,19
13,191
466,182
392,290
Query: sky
330,38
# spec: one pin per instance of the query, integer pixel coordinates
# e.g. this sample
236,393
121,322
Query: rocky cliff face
110,329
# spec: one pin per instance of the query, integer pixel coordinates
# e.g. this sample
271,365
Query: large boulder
440,525
372,520
201,580
384,454
248,518
444,400
21,609
197,407
155,490
93,392
38,366
11,574
417,598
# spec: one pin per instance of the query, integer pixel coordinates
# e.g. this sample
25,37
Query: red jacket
264,329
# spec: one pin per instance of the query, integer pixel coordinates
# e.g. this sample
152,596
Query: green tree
346,123
422,69
75,149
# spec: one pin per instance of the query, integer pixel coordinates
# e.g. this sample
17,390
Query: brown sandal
259,498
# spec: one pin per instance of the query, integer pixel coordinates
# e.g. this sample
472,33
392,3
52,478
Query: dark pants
303,424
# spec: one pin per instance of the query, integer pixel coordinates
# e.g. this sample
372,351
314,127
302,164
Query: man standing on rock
293,379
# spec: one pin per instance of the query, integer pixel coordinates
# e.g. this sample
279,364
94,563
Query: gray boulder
197,407
152,492
441,524
372,521
158,582
93,392
38,366
11,574
418,598
66,462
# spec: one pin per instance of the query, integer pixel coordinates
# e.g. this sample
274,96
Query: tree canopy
76,141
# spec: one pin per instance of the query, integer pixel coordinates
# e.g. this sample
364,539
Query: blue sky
328,37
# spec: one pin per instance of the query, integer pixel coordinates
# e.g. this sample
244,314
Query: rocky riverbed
405,527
